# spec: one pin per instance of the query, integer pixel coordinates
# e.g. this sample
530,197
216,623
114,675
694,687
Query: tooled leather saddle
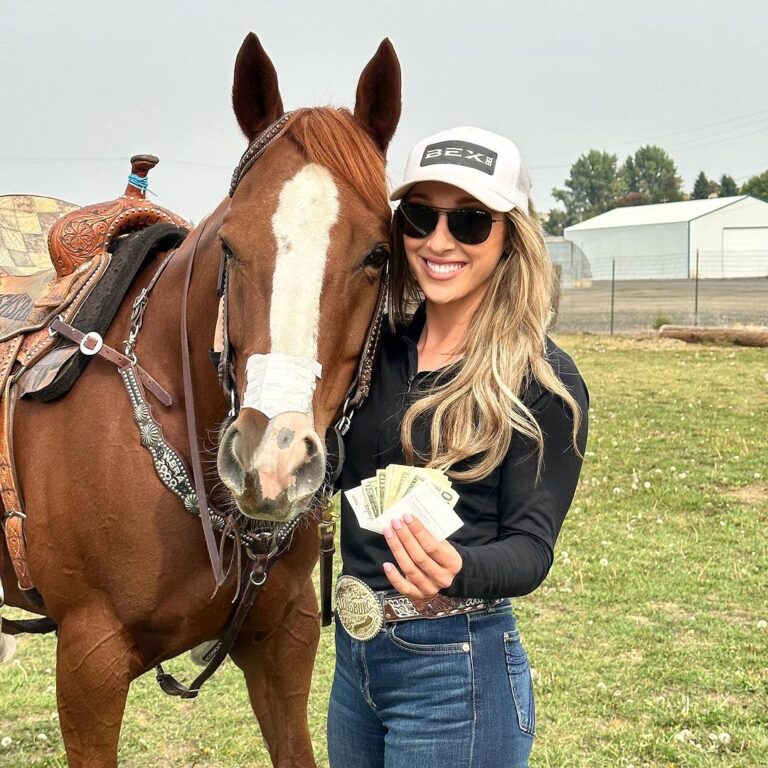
90,268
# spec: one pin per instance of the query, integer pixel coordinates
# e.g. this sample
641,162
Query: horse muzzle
272,467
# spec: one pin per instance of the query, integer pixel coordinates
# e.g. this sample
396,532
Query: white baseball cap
484,164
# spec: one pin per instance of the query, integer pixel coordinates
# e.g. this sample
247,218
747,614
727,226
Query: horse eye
377,257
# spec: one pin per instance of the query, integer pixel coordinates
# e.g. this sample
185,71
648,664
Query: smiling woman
469,386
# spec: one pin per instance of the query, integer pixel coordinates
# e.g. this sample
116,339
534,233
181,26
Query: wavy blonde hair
477,412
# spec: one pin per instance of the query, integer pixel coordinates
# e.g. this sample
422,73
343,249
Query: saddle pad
25,221
56,373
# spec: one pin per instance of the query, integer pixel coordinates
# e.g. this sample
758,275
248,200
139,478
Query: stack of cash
397,490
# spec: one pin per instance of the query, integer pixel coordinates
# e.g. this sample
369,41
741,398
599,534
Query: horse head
305,248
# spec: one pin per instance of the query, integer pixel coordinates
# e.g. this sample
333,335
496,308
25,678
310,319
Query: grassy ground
650,637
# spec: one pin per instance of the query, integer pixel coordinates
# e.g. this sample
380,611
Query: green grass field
650,637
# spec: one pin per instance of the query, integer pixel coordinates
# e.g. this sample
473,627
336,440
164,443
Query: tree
728,186
651,173
757,186
591,188
556,222
701,187
633,198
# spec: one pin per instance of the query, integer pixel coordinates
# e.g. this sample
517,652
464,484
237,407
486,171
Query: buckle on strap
95,339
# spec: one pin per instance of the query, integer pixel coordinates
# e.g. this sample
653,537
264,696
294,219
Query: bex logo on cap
460,153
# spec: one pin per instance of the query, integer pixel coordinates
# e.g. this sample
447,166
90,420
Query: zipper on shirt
409,382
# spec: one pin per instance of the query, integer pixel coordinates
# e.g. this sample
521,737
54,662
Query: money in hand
397,490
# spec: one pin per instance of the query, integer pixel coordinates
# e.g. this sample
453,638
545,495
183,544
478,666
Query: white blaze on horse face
284,380
308,208
290,458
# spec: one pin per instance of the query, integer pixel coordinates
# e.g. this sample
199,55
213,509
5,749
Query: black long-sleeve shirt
511,522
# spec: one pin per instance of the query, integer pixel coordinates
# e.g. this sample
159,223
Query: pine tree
701,187
652,175
728,186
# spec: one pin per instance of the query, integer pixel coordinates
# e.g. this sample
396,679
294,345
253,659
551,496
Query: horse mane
333,138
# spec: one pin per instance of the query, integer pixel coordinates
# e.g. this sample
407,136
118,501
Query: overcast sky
84,85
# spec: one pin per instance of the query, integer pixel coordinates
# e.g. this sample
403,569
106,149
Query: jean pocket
521,682
444,635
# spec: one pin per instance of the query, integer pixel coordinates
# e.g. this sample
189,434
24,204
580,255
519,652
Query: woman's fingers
442,552
401,584
413,572
427,564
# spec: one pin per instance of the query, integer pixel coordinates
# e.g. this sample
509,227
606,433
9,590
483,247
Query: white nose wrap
277,383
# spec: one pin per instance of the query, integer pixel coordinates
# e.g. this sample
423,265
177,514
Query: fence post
696,292
613,289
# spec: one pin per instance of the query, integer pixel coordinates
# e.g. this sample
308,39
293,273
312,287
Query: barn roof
660,213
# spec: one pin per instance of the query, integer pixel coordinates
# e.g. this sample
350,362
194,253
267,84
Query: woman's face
447,271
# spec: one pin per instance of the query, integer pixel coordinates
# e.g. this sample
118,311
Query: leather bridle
361,384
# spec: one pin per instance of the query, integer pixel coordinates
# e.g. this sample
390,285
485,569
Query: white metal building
720,237
574,268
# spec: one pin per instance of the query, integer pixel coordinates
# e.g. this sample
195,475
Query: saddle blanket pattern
25,221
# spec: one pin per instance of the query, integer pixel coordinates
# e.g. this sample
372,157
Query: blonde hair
477,412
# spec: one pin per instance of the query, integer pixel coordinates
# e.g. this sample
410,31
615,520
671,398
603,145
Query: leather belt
398,607
364,612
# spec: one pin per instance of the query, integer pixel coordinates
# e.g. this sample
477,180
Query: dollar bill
359,503
415,479
371,488
381,480
428,503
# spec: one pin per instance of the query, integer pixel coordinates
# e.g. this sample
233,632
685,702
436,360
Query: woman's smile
442,270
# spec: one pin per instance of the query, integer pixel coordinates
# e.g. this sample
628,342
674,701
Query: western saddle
35,295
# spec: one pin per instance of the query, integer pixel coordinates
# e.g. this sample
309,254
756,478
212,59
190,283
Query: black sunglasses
469,226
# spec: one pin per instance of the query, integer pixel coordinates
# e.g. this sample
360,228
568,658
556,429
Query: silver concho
358,608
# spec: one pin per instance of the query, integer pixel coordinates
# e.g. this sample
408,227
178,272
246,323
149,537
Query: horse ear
255,93
378,101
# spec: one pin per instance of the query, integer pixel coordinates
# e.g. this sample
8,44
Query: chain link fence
606,297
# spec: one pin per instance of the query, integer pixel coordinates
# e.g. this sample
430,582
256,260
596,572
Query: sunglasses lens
417,220
470,226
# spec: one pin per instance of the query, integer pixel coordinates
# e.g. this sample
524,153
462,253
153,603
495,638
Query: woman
433,672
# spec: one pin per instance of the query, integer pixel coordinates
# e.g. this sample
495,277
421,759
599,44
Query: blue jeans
453,692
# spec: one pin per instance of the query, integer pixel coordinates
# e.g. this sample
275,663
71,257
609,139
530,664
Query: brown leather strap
91,342
256,578
27,626
326,531
14,515
361,385
258,146
189,407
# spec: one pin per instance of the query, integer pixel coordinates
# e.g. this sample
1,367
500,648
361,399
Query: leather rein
261,547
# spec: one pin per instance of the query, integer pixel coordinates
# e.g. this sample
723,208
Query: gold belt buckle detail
358,608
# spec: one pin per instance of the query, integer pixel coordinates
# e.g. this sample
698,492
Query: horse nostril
311,447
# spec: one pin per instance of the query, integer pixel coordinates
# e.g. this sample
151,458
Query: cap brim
487,197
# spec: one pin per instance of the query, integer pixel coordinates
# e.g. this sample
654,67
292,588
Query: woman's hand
427,565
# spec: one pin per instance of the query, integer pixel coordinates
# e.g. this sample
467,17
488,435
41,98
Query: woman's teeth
444,269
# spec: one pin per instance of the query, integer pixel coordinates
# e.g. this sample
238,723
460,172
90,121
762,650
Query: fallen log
742,337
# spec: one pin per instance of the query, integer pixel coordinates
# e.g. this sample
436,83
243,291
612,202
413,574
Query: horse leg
94,667
278,673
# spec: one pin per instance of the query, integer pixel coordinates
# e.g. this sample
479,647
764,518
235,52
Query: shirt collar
412,331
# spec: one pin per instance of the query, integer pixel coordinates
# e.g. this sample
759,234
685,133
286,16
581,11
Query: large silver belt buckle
360,611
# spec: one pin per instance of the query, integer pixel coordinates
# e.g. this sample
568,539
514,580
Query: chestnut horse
121,566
